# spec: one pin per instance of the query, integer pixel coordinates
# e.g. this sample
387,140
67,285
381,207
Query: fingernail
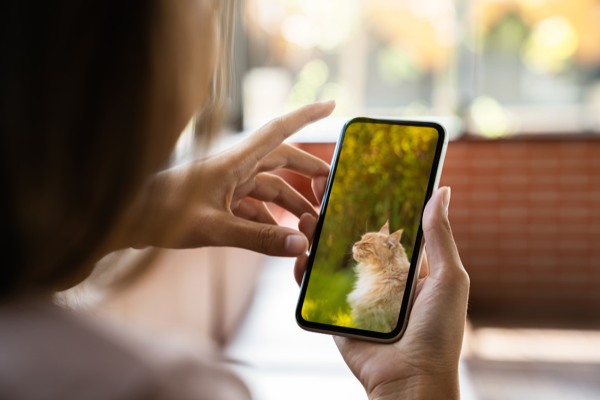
446,198
328,101
295,245
308,215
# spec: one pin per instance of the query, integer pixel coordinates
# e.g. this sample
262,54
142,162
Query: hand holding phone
362,267
424,364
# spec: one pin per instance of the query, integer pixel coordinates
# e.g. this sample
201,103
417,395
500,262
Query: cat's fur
381,271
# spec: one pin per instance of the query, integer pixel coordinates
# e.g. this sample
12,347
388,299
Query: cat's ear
394,238
385,229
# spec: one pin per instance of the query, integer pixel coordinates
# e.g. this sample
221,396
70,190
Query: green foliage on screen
382,175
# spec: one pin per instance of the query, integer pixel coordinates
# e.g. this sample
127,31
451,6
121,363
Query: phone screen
369,234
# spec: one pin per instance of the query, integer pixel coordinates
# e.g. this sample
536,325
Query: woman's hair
75,141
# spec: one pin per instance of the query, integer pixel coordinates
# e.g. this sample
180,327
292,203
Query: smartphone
365,258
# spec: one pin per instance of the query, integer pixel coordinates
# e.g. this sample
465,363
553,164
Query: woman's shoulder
49,352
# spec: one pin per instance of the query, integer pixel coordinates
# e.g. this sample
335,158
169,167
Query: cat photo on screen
381,272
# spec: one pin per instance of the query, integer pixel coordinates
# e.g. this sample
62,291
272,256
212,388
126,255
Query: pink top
47,352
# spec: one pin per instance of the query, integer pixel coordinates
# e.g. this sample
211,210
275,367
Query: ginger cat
381,271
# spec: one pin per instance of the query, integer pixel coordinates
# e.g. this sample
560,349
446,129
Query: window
503,66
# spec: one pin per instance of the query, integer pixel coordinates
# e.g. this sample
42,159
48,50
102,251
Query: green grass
325,300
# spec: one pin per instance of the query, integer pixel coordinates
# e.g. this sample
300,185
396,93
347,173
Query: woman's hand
225,194
423,364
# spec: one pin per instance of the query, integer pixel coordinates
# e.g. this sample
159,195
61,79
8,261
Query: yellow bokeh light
308,82
551,44
582,16
489,117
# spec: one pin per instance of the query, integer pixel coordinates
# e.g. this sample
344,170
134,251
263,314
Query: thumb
268,239
442,253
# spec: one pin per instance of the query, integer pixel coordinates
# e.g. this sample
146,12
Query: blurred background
517,85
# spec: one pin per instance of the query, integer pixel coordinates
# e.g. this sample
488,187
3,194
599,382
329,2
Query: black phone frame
333,329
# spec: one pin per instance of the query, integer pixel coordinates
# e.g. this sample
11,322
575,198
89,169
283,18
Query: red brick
573,213
507,213
594,260
481,262
543,228
514,180
574,149
571,181
457,181
542,212
543,196
543,165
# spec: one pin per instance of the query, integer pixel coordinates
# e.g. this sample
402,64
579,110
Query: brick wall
526,218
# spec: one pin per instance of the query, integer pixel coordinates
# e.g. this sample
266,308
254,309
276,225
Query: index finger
271,135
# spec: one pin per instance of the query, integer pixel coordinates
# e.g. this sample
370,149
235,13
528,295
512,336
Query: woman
93,97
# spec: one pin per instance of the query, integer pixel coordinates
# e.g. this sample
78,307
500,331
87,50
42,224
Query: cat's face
378,247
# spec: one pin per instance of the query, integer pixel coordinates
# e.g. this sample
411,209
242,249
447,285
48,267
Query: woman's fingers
319,184
254,210
274,189
294,159
270,136
272,240
442,254
307,225
300,268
